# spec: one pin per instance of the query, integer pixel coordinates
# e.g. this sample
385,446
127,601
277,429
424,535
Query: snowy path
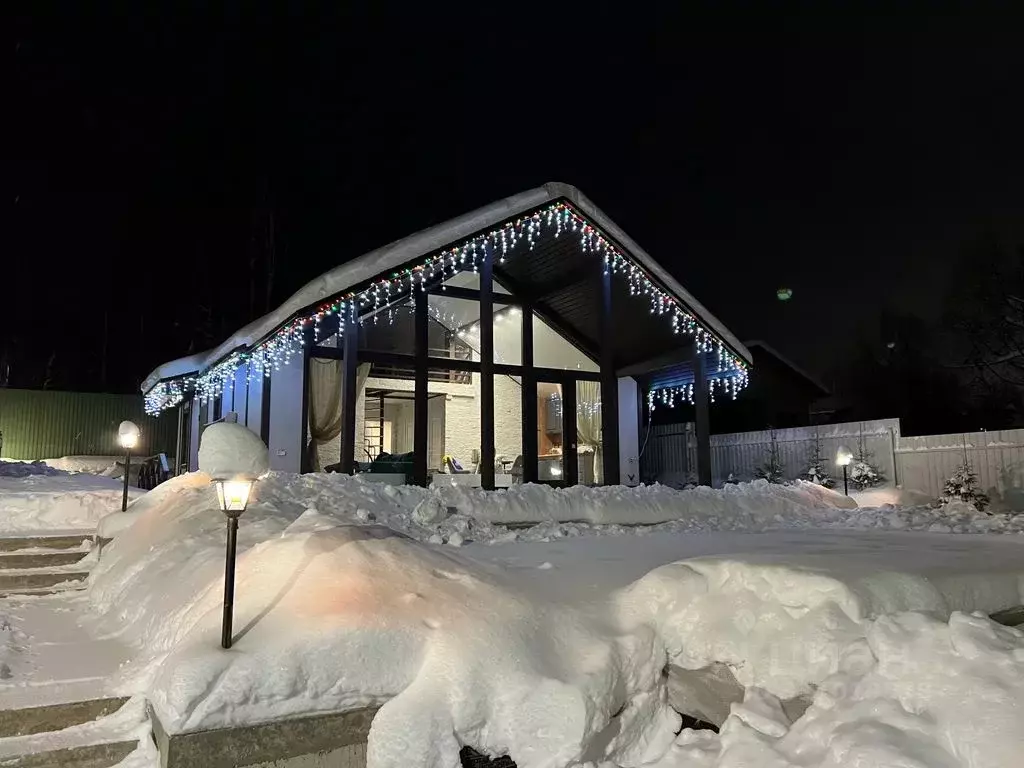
991,567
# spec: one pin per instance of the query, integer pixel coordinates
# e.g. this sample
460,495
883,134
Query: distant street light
843,459
128,437
233,496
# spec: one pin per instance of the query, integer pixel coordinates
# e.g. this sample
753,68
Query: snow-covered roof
389,257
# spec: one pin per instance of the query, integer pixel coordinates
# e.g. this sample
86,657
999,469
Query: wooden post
702,406
420,422
349,395
487,372
609,388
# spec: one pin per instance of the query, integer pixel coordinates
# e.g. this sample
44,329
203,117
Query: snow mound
228,450
914,692
758,501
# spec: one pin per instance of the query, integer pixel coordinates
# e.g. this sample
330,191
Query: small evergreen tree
817,466
863,473
771,470
963,486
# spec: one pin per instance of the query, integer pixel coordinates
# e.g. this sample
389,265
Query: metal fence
44,424
671,452
997,457
915,463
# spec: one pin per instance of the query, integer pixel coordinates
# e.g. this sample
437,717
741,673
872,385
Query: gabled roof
383,262
814,381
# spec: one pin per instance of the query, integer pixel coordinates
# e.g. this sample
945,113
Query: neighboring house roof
385,260
758,344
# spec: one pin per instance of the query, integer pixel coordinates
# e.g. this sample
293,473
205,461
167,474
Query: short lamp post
233,497
128,437
843,459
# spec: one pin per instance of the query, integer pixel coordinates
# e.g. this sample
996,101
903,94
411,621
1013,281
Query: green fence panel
43,424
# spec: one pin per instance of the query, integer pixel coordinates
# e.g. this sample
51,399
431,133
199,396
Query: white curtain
326,380
588,423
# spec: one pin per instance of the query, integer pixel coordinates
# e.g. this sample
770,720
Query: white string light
287,342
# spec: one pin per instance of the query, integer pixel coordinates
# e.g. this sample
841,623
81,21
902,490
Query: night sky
745,146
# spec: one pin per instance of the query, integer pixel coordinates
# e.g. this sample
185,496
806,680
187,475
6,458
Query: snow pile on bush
36,498
914,691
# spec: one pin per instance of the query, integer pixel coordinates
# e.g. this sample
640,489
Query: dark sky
847,155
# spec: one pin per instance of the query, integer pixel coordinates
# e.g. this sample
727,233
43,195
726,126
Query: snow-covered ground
572,642
38,498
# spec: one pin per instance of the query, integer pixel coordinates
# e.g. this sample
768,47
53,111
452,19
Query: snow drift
340,604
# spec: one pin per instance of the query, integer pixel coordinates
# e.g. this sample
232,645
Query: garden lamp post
233,497
843,459
128,437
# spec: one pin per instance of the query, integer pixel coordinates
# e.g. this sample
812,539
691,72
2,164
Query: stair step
56,717
43,542
89,756
40,559
15,581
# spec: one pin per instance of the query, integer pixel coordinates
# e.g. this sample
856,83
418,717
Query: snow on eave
400,252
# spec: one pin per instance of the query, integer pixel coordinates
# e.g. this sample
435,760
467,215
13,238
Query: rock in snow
334,613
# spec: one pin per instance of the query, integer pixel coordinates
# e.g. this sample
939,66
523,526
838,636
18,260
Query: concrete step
43,542
27,582
89,756
17,560
56,717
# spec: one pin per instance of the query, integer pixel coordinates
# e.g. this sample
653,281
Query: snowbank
645,505
36,498
339,604
913,692
94,465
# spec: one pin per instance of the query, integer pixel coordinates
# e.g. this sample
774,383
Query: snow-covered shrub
817,466
771,470
963,486
864,474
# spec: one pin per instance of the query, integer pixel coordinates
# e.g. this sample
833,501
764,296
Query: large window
552,350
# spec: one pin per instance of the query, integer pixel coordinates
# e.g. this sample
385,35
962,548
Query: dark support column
181,437
487,372
570,448
349,362
609,388
702,406
529,407
306,461
421,403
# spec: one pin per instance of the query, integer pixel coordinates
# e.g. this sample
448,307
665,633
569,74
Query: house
783,395
524,341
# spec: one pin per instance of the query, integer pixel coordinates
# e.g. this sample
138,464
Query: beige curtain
588,423
326,380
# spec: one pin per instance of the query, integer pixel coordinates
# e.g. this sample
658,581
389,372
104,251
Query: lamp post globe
128,438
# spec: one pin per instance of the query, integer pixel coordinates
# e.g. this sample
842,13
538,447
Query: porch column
420,422
529,408
609,388
350,360
701,403
487,372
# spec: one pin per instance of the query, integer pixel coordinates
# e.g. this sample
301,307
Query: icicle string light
522,233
